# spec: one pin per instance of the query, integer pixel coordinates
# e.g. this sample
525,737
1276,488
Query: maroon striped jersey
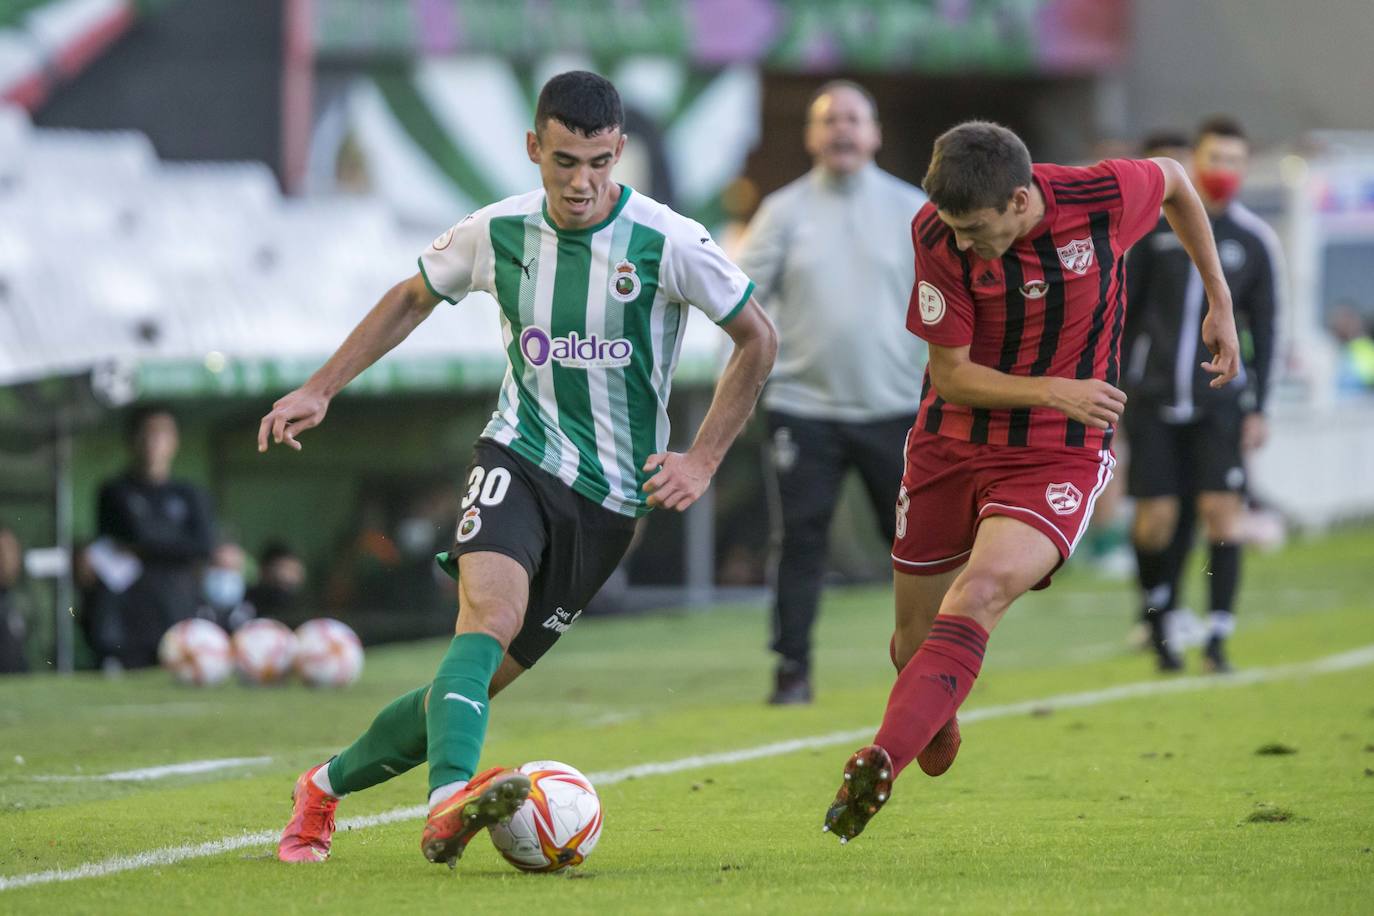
1054,304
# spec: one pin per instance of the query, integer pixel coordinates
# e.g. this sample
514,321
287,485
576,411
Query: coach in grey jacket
832,259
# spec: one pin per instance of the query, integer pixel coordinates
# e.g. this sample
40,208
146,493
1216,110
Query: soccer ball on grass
328,653
264,650
196,652
558,825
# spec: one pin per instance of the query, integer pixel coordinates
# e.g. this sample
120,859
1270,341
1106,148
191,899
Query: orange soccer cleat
939,754
866,788
311,829
490,797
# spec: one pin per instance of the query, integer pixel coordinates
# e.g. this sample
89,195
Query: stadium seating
108,254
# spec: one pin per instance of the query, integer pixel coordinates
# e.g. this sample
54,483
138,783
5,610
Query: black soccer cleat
1166,662
1214,659
792,686
867,786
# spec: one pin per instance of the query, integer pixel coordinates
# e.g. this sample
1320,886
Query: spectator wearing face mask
224,589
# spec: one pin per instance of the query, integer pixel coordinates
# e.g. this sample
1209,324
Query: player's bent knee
494,615
982,594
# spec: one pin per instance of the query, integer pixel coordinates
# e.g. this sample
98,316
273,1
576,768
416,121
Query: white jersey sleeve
698,272
451,261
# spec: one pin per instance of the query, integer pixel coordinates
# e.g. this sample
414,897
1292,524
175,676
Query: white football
264,650
196,652
328,653
558,825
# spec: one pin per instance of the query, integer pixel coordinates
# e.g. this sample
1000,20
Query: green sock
392,744
458,707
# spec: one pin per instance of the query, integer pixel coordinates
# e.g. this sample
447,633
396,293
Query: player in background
1176,145
593,282
833,267
1020,295
1188,438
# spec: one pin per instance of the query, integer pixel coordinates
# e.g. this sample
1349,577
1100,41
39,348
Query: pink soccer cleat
489,797
311,829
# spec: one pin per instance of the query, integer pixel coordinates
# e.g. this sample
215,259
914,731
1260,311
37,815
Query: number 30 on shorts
487,488
903,504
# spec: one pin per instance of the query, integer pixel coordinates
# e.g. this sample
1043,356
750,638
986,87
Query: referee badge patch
931,302
470,524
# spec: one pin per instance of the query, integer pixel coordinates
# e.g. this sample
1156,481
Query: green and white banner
448,136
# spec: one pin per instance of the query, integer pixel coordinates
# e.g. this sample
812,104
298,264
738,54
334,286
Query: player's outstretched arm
959,380
1186,214
396,314
682,478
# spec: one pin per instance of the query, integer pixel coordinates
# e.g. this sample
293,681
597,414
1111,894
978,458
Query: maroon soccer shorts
950,485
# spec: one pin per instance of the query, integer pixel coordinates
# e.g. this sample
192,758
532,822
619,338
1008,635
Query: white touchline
158,772
1331,664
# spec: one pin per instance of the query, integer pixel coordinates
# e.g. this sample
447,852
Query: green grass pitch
1132,804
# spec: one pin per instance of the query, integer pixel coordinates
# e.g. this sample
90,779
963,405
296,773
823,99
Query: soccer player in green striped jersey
594,282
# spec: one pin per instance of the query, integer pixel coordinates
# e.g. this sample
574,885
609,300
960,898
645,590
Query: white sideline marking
1331,664
159,772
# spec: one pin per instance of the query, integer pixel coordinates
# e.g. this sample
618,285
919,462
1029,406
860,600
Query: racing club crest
470,524
1077,256
624,285
1064,498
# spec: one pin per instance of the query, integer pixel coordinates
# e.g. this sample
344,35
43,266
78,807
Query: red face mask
1219,185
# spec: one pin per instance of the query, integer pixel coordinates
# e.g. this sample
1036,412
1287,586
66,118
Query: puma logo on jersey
522,265
476,706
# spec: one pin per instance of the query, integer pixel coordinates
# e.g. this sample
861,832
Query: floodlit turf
1249,799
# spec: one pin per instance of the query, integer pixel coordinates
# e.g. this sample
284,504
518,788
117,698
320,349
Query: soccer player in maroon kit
1020,293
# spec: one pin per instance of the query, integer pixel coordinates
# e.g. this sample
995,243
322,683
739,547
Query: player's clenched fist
298,411
1090,401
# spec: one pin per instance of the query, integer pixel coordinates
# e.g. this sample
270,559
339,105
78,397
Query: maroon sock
931,687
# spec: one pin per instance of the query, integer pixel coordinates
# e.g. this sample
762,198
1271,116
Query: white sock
321,781
444,792
1223,623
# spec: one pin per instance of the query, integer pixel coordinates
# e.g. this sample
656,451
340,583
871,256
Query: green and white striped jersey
592,321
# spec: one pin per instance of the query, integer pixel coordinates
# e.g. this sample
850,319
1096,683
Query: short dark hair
139,416
1219,126
581,101
975,165
274,551
1163,139
831,85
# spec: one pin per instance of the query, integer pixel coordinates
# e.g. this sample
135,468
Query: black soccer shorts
568,544
1170,459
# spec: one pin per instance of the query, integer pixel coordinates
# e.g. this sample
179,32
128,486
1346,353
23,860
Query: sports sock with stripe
458,707
931,687
393,743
